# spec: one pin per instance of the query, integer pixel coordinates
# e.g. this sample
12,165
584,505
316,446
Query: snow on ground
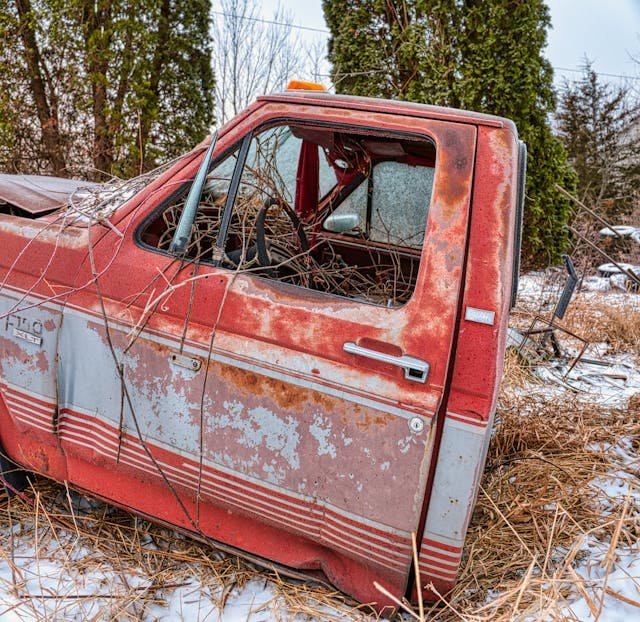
610,571
49,573
610,384
622,582
49,570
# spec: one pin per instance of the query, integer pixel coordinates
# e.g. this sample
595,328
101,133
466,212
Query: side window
271,165
401,197
316,207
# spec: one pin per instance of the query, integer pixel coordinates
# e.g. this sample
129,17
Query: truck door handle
414,369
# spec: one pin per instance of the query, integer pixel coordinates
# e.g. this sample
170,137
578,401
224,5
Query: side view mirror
341,223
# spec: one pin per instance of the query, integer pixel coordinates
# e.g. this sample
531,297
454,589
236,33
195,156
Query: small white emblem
481,316
23,334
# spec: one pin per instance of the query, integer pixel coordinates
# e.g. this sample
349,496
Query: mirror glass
341,223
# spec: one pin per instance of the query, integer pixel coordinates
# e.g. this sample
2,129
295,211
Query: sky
605,31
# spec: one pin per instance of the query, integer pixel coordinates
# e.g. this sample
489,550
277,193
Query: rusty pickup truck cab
288,341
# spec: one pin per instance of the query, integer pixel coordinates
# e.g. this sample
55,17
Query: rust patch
286,396
368,420
157,347
21,357
37,461
454,158
354,412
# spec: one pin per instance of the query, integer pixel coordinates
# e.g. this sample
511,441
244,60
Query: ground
555,534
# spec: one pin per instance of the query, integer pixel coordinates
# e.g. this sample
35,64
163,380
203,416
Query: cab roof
371,104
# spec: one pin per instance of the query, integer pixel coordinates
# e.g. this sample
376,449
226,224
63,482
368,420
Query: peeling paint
322,435
260,427
404,444
298,452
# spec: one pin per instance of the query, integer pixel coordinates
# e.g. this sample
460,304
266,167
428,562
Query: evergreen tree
393,49
101,87
483,55
600,128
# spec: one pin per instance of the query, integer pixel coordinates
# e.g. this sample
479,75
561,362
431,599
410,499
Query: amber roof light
301,85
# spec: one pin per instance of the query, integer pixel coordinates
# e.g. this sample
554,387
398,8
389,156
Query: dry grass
587,316
536,510
619,327
537,506
113,565
517,373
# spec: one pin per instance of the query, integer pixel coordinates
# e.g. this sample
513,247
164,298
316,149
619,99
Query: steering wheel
264,258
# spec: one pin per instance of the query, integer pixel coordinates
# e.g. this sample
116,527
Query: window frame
241,147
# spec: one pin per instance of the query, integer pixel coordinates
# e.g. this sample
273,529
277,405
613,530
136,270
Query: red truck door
278,416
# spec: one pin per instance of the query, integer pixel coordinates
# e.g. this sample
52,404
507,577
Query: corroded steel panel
225,403
37,194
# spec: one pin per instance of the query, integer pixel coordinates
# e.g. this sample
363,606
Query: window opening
331,210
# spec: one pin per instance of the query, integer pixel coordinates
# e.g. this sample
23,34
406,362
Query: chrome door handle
414,369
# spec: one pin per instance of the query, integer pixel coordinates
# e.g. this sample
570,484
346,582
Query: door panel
310,419
275,421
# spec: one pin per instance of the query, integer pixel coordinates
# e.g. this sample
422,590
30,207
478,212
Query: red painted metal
306,457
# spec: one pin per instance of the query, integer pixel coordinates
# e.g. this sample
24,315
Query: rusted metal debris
539,342
38,194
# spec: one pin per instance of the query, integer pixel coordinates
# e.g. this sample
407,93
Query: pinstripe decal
439,559
355,536
29,409
329,525
474,423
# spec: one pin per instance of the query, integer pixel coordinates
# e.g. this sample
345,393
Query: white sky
606,31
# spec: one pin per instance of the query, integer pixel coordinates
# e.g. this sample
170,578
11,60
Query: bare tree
251,55
316,65
598,124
